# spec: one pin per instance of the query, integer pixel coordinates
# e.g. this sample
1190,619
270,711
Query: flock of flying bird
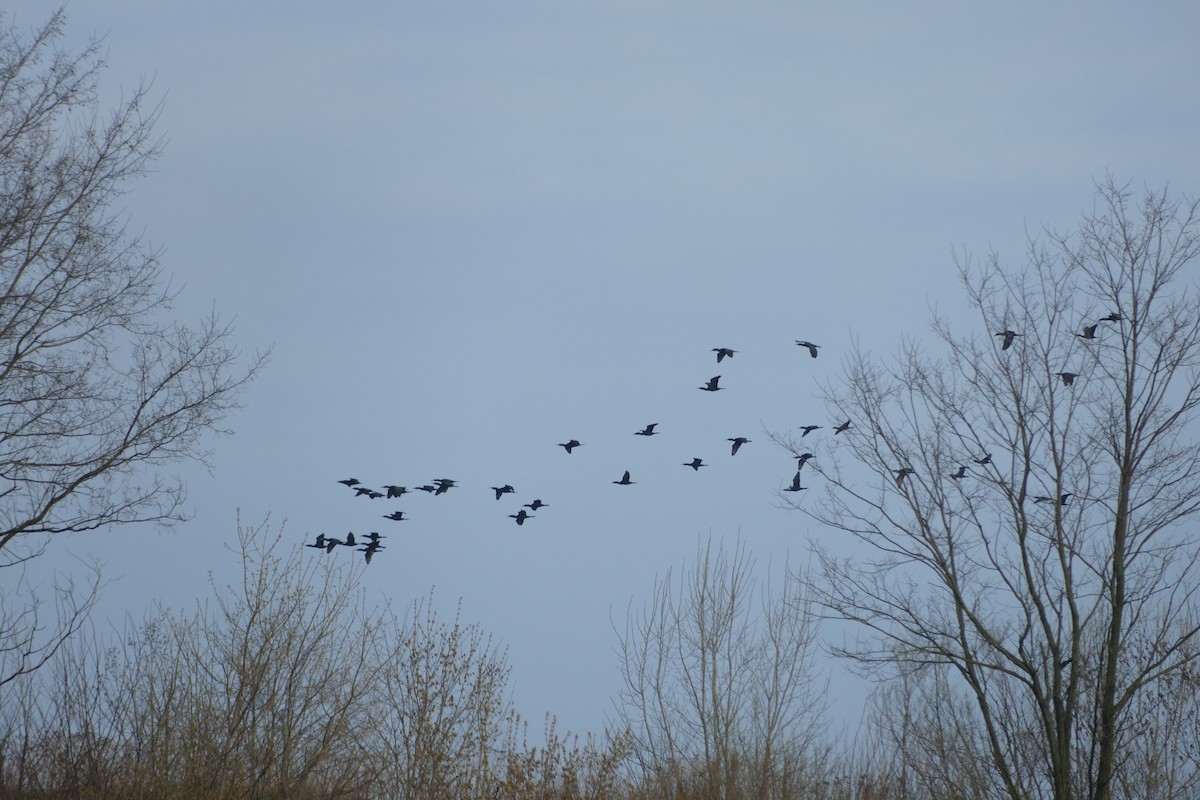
373,543
1007,337
439,486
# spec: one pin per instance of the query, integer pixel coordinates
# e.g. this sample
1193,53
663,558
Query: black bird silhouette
1089,331
1068,378
428,488
349,542
647,431
796,487
443,485
737,443
1062,500
1113,317
374,495
521,516
812,348
503,490
571,445
1064,664
845,426
395,515
331,543
711,386
983,462
536,504
695,464
370,550
962,473
1008,338
903,473
722,352
320,543
395,491
625,480
361,490
374,536
349,481
808,429
802,459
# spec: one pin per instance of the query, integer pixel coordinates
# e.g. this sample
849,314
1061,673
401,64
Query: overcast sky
471,231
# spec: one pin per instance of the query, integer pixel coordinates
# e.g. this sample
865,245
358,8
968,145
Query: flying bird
395,491
374,495
536,504
371,549
569,446
737,443
1008,335
374,536
1068,378
625,480
1062,500
695,464
395,515
711,386
802,459
723,352
983,462
795,487
903,473
1089,331
808,429
331,543
503,490
962,473
443,485
428,488
845,426
1113,317
361,490
320,543
812,348
647,431
349,481
521,516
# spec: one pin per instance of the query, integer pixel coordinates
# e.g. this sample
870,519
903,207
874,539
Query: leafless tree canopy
99,388
719,692
1043,547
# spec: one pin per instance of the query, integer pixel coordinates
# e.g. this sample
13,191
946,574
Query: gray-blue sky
473,230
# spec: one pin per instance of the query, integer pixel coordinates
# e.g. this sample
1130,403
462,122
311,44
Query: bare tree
1025,498
720,697
98,387
442,711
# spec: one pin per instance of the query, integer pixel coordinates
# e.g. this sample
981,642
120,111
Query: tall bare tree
1025,494
719,693
99,388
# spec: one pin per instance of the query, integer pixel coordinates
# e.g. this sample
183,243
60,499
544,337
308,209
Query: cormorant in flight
1008,338
812,348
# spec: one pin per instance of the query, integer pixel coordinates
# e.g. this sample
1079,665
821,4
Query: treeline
289,684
